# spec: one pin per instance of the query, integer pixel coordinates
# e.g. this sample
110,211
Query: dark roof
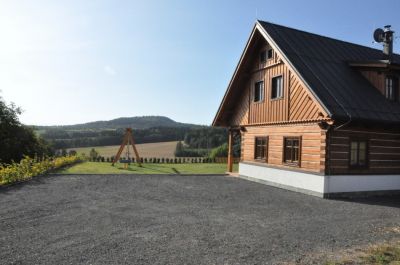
323,63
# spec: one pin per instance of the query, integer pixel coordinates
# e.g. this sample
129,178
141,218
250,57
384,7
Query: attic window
263,56
391,88
259,91
270,53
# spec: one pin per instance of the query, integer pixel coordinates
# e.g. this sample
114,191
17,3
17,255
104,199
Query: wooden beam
230,152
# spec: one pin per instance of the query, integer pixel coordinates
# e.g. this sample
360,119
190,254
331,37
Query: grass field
106,168
162,149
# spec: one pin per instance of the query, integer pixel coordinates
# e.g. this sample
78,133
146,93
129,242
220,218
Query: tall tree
17,140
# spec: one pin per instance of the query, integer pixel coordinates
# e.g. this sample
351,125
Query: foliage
93,154
182,151
194,136
139,122
220,151
17,140
384,254
29,167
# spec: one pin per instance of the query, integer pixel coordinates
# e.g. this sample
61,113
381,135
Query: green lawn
106,168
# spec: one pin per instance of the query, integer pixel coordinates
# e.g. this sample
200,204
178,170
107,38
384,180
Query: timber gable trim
291,71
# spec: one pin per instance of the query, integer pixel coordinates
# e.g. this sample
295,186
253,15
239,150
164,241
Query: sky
69,62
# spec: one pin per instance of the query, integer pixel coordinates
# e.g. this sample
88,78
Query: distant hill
140,122
147,129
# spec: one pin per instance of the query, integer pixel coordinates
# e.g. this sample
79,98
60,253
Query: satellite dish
379,35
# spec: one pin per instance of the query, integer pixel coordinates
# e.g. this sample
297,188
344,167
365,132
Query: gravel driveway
146,219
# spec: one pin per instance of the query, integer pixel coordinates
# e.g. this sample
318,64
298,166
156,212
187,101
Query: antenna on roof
385,36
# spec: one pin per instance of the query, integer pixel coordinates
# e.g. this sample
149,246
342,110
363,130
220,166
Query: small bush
28,168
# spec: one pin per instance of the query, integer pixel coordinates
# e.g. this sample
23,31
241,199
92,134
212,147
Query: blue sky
67,62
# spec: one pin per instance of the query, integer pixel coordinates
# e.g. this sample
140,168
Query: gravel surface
146,219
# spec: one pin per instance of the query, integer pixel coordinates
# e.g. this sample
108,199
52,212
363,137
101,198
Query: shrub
145,159
28,168
220,151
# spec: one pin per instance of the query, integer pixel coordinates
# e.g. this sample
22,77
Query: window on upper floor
391,88
277,87
358,153
270,54
259,91
261,148
263,56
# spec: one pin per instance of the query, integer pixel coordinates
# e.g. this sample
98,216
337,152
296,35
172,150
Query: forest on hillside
199,137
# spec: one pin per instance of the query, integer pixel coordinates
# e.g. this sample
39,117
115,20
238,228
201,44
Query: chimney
385,36
388,42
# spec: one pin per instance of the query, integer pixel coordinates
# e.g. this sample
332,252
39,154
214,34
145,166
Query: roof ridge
322,36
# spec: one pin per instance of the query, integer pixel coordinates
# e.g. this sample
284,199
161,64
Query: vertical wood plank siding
295,105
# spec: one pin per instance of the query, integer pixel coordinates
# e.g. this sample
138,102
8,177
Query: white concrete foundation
318,184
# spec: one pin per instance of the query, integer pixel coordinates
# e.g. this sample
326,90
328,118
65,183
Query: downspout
328,161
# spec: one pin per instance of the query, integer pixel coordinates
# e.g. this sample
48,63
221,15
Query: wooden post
230,152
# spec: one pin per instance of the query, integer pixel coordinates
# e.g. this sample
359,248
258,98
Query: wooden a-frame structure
128,140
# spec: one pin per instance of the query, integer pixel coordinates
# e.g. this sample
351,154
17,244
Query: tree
64,152
179,149
16,139
220,151
93,155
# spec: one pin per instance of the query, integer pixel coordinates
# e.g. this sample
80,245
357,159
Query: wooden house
315,114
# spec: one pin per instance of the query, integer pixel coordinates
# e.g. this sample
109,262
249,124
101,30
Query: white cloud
109,70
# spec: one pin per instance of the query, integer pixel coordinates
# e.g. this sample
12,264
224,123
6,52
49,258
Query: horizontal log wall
312,146
384,151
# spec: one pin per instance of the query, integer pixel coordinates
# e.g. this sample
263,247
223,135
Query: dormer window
391,88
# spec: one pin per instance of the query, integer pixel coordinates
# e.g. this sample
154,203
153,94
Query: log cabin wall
383,151
313,140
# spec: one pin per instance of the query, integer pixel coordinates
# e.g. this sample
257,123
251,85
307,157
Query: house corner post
230,152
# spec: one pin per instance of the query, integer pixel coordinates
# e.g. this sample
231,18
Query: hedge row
176,160
29,167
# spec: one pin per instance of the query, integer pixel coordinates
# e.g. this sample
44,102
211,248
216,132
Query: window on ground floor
358,153
291,150
261,148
